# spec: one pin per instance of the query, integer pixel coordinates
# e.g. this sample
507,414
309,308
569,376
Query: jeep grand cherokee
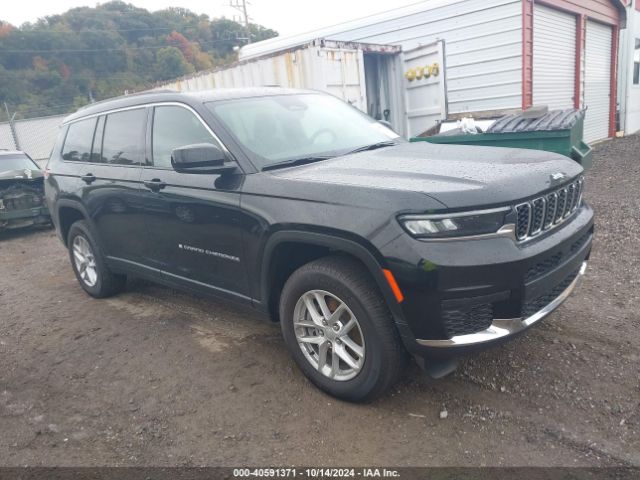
363,246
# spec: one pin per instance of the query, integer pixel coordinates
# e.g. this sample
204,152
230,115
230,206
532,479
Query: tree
170,63
60,61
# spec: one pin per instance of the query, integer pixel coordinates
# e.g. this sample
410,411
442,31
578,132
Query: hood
23,174
455,175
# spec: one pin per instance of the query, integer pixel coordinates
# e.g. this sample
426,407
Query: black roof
175,96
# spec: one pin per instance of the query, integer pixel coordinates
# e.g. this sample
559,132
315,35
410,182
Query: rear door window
77,145
123,141
175,127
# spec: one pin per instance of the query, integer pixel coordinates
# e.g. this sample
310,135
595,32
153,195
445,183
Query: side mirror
200,158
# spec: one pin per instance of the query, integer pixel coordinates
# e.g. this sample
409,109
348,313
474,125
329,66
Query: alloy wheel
85,261
329,335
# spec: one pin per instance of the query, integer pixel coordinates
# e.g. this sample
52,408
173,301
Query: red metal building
573,45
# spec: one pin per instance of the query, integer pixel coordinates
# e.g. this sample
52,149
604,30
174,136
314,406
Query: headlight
461,224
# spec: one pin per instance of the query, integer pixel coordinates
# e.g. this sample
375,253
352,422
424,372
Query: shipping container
371,77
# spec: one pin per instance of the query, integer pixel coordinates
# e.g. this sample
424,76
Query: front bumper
501,329
466,295
10,219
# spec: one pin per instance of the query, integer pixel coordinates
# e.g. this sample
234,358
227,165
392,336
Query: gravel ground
159,377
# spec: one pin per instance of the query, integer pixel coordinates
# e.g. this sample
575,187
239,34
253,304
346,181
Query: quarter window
175,127
77,145
123,142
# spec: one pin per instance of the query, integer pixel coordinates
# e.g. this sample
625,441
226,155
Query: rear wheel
88,263
339,329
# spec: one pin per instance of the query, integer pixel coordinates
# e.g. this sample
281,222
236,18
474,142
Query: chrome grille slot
576,196
562,203
546,212
571,191
552,203
524,221
537,216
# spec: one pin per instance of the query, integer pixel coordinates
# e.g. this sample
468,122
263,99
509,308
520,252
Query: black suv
363,246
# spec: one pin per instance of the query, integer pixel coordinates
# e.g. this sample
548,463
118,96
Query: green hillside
64,61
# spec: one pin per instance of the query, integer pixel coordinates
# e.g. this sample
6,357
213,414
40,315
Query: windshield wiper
295,161
373,146
305,160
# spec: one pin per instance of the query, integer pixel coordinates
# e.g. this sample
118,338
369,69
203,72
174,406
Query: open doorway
382,97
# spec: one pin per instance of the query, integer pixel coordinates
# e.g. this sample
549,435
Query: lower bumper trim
501,328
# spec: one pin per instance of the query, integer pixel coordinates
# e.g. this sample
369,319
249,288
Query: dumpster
558,131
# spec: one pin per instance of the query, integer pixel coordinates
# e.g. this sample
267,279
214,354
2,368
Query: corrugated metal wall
554,58
631,92
597,80
483,49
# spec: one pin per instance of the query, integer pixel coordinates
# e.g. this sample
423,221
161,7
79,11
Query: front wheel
339,329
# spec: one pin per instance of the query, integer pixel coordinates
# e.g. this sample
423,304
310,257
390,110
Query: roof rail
146,92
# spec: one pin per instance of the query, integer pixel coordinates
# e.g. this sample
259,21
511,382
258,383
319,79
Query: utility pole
241,6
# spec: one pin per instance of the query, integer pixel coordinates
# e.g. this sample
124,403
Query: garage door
554,57
597,80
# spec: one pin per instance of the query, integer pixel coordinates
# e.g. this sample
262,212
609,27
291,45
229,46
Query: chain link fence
35,136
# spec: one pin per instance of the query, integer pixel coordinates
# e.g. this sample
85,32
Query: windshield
16,162
278,128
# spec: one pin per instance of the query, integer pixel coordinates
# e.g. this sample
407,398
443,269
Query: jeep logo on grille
557,176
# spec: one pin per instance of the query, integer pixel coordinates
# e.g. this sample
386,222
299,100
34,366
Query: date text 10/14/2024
315,473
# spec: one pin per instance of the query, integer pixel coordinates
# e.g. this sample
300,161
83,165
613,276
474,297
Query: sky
288,17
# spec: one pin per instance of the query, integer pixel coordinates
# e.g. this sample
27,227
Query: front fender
367,254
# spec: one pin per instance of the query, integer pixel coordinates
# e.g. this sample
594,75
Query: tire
104,283
341,279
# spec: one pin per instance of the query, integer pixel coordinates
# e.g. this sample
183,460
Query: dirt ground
159,377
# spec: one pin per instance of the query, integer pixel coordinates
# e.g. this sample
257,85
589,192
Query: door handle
154,184
89,178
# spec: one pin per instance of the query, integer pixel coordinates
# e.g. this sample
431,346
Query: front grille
544,213
537,304
463,322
